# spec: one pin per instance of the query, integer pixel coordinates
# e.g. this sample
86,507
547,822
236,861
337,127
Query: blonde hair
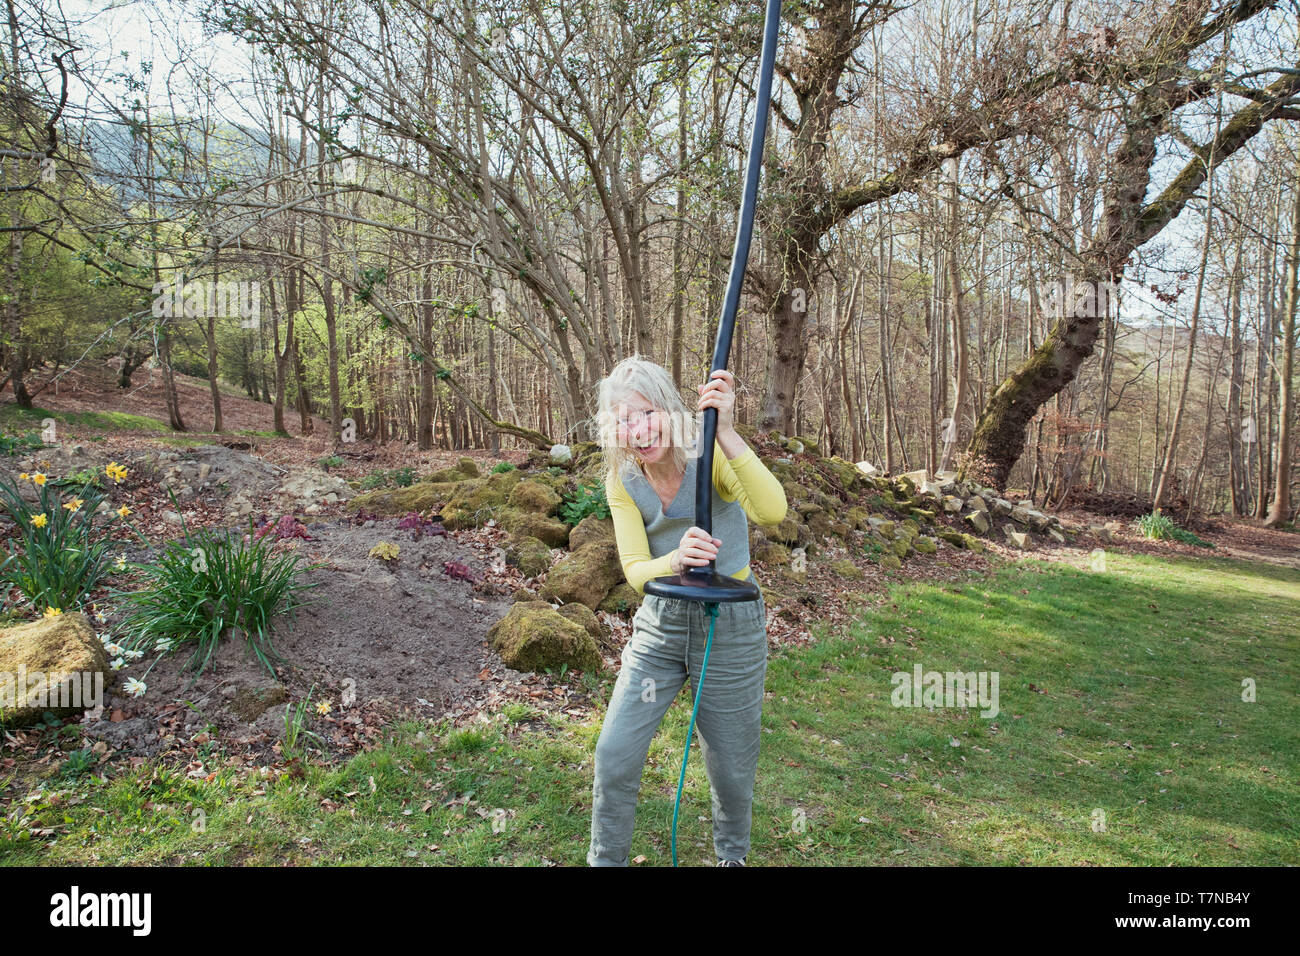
655,385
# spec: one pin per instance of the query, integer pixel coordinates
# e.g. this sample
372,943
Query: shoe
740,862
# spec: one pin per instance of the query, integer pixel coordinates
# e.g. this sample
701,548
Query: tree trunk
1126,225
1280,510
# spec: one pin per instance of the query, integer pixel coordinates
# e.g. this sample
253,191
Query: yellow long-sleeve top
647,533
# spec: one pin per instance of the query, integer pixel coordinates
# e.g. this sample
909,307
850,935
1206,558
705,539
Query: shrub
587,500
333,461
502,467
206,586
63,545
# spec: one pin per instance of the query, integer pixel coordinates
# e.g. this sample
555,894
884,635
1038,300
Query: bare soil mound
376,637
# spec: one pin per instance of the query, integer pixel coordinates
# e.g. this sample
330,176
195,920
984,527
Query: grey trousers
667,646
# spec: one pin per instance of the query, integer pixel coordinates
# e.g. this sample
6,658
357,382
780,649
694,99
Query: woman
648,436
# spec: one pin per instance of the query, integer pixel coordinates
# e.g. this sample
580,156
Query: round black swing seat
703,584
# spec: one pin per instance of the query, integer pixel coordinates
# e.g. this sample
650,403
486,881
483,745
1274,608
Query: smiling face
642,429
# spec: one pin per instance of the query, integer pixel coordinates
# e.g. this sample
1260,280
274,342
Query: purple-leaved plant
284,529
455,569
419,525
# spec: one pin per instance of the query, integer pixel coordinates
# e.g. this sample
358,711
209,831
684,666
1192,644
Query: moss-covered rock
623,599
584,451
902,546
530,555
423,496
553,532
796,494
882,526
924,545
479,499
591,529
890,561
585,618
533,636
809,446
788,532
846,569
954,538
465,468
821,525
57,661
770,552
533,495
858,517
805,508
847,473
585,576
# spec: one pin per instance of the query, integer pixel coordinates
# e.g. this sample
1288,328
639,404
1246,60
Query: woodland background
1052,245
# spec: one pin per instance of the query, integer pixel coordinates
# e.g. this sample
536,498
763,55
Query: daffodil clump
207,587
62,543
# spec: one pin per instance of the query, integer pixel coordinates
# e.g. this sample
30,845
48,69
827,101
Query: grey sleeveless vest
664,529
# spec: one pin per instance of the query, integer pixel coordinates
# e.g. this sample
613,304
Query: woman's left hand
720,393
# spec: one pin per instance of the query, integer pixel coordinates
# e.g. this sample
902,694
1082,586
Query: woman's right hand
696,549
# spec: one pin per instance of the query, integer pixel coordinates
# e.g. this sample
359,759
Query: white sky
123,35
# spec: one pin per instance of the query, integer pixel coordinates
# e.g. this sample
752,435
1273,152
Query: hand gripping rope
703,583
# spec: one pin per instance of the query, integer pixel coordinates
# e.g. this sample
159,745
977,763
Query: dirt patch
403,629
375,636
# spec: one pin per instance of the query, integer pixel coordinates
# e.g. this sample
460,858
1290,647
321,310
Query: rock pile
833,504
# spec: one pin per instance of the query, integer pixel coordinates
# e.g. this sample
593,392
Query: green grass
1135,710
12,417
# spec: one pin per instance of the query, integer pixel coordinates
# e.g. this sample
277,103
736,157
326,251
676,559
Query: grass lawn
1122,738
15,420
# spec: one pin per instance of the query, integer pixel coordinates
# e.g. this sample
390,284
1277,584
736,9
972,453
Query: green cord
699,689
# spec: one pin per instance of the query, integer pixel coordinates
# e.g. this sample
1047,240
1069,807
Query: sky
122,36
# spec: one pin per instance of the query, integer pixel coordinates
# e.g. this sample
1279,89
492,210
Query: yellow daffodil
115,471
74,505
38,478
40,520
123,511
323,708
52,612
24,476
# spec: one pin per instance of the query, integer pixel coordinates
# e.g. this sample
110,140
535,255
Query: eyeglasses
633,418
